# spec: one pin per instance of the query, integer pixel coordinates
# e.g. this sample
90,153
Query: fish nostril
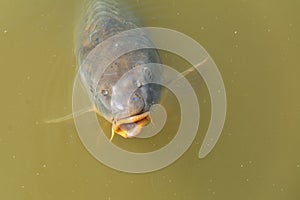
138,84
147,74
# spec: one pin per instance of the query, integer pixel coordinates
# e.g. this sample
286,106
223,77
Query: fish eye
136,97
94,38
104,92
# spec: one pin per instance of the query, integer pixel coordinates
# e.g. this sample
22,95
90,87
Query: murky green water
255,46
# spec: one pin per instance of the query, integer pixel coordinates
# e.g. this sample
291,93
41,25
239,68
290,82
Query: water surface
255,46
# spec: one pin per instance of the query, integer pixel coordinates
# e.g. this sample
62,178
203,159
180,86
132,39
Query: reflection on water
255,47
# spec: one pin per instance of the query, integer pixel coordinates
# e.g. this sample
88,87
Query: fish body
102,21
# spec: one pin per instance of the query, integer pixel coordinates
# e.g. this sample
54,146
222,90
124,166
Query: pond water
253,43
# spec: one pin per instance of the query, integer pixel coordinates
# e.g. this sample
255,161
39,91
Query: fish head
126,90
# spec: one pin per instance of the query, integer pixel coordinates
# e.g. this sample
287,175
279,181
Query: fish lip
140,120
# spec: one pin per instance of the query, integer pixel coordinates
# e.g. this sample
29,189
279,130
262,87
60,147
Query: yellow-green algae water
256,46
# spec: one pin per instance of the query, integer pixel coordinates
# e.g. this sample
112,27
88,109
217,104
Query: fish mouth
130,126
